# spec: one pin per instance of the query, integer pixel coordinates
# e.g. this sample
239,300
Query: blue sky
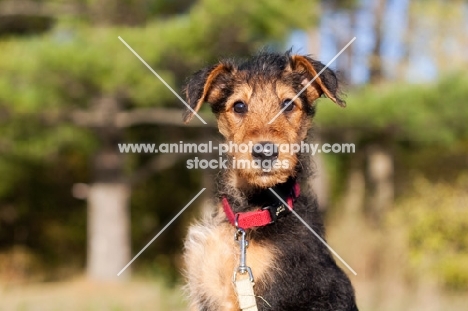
335,32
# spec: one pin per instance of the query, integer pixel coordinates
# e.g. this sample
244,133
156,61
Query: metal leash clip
242,268
244,286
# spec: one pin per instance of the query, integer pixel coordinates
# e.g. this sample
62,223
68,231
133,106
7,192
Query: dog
252,252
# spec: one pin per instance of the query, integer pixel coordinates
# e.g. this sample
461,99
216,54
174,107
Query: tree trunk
376,64
320,182
355,191
380,177
108,200
108,231
313,42
117,12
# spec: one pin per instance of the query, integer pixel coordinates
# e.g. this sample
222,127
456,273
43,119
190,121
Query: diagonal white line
160,232
161,79
313,231
308,84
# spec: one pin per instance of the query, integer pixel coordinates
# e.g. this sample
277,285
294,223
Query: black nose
265,150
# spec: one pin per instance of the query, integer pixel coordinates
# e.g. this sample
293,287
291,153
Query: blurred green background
74,211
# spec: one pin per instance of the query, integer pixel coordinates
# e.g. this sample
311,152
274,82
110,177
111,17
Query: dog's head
252,103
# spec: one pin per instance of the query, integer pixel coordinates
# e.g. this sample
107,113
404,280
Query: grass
80,295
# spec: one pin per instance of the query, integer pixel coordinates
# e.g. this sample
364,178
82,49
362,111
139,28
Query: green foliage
44,79
75,63
433,113
436,222
70,68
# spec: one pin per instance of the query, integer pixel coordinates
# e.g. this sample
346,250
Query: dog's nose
265,150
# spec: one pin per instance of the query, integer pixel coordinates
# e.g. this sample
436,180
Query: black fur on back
308,277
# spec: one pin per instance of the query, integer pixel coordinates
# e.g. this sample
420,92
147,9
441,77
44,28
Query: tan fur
206,89
212,255
300,62
263,105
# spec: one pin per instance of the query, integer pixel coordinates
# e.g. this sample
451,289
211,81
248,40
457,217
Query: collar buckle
276,211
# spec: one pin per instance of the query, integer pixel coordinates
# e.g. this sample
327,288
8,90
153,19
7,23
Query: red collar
261,217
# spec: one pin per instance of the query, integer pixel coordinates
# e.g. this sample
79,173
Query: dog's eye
240,107
286,103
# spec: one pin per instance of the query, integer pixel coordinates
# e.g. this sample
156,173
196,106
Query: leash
242,221
244,286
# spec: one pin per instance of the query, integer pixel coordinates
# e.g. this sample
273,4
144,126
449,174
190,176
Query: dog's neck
255,197
244,197
265,197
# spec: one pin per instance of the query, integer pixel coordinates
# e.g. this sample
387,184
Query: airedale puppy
291,269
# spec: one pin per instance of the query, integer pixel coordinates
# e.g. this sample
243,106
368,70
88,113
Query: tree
91,90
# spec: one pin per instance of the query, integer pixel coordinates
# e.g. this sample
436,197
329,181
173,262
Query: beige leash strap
244,285
245,295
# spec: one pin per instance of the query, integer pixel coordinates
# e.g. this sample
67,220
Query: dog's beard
262,175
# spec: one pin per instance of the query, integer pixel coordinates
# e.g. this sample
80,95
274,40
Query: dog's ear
199,86
326,83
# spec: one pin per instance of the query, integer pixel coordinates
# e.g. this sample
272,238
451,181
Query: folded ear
199,86
326,83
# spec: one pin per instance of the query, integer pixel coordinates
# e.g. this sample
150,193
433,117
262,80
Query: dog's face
248,99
